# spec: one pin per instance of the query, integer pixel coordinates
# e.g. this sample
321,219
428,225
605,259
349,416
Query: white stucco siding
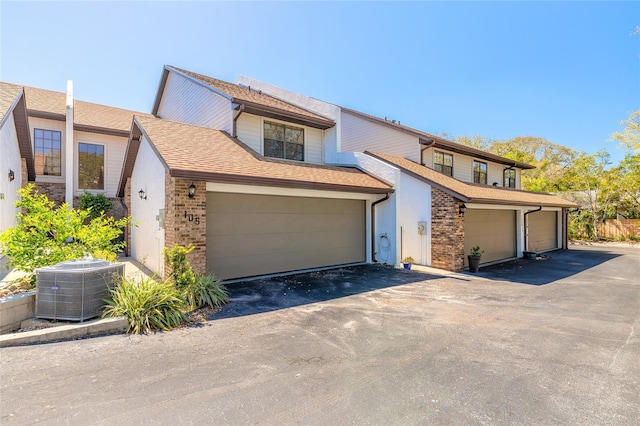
147,237
250,130
359,135
45,124
187,102
9,160
414,208
114,151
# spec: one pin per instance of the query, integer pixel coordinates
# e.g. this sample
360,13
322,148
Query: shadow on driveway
551,267
270,294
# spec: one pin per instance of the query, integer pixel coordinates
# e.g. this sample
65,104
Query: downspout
237,115
426,145
526,228
373,226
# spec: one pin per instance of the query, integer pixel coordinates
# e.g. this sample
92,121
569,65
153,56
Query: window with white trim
283,141
48,152
479,172
443,163
90,166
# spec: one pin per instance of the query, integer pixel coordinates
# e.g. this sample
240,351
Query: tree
46,235
630,136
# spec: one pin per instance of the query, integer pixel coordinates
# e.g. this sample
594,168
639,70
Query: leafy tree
46,235
630,136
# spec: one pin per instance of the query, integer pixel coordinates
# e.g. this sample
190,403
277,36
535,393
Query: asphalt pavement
499,347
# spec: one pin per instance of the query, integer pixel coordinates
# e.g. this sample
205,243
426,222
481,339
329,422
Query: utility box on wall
422,228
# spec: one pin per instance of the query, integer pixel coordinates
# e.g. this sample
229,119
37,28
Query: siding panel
360,135
187,102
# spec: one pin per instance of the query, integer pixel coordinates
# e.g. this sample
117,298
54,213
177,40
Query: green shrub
182,274
96,204
148,305
205,290
45,235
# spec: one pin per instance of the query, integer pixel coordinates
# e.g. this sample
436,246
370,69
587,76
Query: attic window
443,163
282,141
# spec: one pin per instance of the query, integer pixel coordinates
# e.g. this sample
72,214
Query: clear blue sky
566,71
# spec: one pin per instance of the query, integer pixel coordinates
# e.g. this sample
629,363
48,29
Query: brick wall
447,232
24,176
54,191
186,219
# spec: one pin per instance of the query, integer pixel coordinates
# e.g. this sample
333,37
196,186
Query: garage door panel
493,230
543,231
276,222
266,264
257,234
226,246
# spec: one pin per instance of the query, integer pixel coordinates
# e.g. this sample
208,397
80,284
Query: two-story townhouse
448,197
239,175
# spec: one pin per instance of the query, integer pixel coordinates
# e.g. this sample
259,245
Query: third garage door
493,230
543,231
250,235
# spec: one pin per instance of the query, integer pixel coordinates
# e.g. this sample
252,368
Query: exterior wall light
192,190
462,209
142,194
12,175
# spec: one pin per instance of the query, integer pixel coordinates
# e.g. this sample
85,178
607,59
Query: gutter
373,226
237,115
526,228
427,144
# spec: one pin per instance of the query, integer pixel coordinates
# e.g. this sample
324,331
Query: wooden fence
616,229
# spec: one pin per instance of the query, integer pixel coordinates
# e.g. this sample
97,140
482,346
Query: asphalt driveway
418,350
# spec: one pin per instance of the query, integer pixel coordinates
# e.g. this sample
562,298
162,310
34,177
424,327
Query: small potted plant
474,258
407,261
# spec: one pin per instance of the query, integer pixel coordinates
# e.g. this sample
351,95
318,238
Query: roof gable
12,101
254,101
477,193
222,158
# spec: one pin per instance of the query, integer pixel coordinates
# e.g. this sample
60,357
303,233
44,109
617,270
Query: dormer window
283,141
509,178
479,172
443,163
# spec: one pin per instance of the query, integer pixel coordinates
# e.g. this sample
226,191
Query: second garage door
249,235
493,230
543,231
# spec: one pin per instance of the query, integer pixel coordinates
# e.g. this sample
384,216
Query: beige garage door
250,235
493,230
543,231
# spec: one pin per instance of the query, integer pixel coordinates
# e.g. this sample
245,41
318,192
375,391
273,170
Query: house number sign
191,218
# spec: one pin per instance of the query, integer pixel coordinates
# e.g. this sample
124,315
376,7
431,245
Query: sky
566,71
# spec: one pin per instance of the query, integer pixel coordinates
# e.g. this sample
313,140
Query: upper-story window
90,166
443,163
282,141
47,150
509,178
479,172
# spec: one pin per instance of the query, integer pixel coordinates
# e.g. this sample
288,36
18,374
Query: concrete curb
65,332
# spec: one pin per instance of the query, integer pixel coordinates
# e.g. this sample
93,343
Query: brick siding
447,226
186,219
53,190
